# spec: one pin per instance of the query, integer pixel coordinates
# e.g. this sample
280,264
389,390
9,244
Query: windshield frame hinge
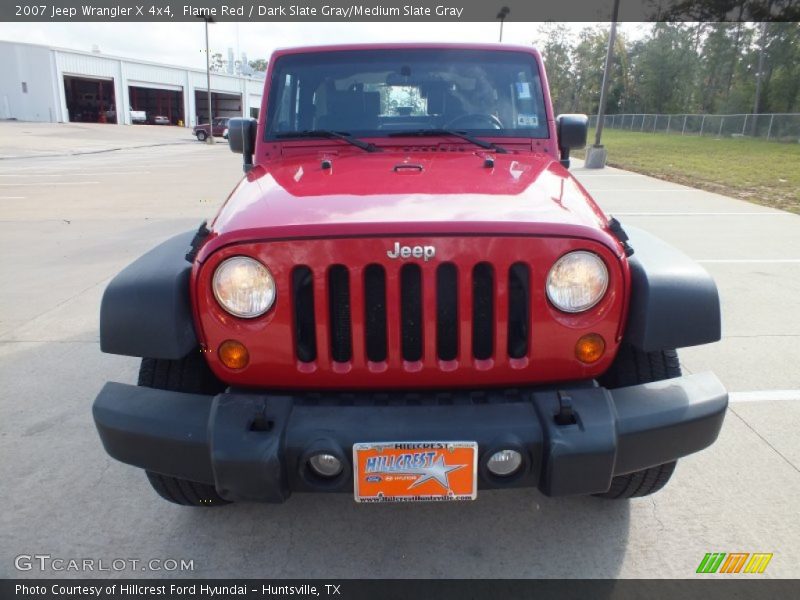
615,227
197,241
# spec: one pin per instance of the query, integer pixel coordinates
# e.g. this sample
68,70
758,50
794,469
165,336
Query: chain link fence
776,127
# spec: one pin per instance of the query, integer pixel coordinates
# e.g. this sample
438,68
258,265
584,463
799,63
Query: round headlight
577,281
244,287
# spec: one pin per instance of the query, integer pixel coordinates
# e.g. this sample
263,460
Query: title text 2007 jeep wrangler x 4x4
408,297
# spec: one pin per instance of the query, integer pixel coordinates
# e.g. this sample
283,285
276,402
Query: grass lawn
763,172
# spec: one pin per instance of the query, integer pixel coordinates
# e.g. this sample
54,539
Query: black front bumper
255,446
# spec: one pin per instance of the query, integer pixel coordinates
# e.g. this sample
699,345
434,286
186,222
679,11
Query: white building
42,83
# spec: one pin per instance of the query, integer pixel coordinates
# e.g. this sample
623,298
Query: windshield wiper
460,134
327,133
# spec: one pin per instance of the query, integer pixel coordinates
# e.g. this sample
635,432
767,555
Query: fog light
590,348
326,465
233,354
504,462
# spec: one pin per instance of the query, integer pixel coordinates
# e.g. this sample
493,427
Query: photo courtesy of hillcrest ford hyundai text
408,297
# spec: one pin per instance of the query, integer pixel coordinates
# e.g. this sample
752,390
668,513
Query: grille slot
482,310
304,323
519,293
339,307
447,311
411,312
375,312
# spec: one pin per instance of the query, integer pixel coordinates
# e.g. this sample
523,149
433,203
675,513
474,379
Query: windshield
383,92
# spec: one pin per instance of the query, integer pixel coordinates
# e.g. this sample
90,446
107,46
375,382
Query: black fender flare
146,310
674,302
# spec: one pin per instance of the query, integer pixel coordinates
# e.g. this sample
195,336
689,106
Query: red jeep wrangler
408,297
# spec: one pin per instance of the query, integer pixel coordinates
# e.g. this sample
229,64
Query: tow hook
565,414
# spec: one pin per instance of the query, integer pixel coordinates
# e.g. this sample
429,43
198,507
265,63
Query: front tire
190,375
185,492
639,483
634,367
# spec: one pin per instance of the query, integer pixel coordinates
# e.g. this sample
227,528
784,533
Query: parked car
218,127
409,304
138,116
161,120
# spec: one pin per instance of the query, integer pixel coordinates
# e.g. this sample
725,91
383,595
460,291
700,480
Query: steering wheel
493,121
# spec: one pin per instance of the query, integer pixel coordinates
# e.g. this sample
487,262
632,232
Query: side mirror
571,131
242,139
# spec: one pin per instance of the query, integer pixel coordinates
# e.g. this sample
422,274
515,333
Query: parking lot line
49,183
12,197
762,213
747,261
764,396
73,174
646,190
601,175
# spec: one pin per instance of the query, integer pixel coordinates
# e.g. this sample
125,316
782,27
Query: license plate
415,471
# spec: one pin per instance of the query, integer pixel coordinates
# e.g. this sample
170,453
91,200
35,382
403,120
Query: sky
183,44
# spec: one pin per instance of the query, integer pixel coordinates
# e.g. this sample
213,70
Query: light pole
210,138
502,16
596,155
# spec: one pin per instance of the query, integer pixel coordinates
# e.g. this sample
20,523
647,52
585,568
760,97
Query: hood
396,193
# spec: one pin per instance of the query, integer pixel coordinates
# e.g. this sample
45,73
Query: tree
678,67
258,64
218,64
665,68
782,76
557,55
588,60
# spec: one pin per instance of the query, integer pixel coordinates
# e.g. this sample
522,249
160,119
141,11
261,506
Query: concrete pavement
39,140
69,223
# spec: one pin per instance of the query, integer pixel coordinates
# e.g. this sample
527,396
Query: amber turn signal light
233,354
590,348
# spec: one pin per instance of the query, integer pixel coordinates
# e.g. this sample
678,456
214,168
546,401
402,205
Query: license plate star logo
427,466
437,472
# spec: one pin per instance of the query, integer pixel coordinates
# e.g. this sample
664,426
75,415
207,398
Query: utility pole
596,155
210,138
502,16
601,111
762,44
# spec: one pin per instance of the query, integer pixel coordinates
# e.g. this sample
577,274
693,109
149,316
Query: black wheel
639,483
191,375
632,367
183,492
202,135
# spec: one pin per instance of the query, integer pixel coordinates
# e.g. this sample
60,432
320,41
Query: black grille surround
339,311
375,312
519,301
447,312
304,322
482,311
411,312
